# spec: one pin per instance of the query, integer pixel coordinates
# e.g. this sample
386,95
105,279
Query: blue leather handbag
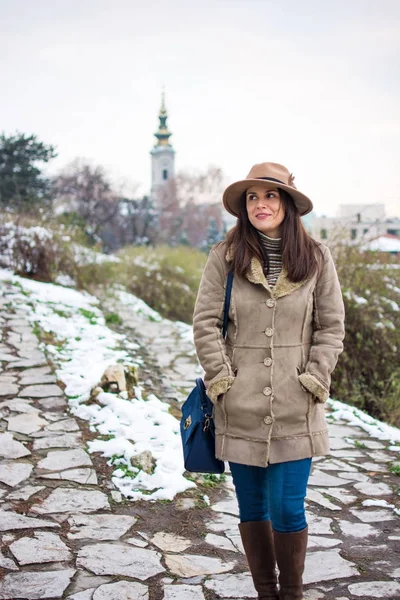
197,424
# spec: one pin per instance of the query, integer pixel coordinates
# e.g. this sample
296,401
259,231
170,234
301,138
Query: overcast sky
314,85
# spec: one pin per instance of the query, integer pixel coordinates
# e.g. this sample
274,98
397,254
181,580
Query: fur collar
255,274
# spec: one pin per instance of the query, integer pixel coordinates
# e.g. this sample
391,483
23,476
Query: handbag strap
228,293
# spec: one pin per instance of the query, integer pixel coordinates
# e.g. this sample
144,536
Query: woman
270,378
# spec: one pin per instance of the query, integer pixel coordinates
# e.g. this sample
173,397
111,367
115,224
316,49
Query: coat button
270,303
268,361
267,391
269,332
268,420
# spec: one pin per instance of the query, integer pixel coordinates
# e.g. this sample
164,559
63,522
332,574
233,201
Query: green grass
395,468
89,315
113,319
360,445
212,480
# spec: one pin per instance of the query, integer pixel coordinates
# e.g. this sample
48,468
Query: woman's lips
262,216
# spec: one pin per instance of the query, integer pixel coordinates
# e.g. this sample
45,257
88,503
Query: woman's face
265,209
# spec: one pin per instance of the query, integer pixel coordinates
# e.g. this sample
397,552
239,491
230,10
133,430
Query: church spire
163,134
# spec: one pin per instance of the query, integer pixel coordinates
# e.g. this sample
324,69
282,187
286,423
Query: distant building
355,223
162,157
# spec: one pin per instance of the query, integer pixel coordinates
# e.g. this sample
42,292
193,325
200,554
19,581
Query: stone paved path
64,536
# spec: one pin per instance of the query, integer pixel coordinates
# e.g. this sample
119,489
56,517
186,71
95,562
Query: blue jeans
273,493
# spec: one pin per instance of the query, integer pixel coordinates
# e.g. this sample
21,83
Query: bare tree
85,190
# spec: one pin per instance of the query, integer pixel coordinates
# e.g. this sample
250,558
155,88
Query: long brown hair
301,255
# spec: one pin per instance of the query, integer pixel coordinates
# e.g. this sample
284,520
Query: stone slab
169,542
58,460
25,492
120,559
375,589
232,586
12,473
85,580
191,565
183,592
319,525
361,477
53,403
85,595
318,542
326,565
373,516
7,357
357,530
26,423
224,523
350,453
320,499
343,495
37,379
373,467
41,391
23,364
36,372
80,475
220,541
136,542
65,425
44,547
229,506
8,389
7,563
99,527
67,440
10,521
35,585
321,479
18,405
63,500
10,448
123,590
374,489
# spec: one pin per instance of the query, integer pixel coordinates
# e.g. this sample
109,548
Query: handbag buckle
188,422
207,422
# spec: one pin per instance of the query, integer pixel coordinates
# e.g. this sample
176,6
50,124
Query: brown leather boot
258,542
290,551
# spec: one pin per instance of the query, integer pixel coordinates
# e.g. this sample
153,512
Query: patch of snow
358,418
138,306
352,296
139,425
87,256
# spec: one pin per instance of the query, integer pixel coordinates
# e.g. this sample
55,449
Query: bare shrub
34,252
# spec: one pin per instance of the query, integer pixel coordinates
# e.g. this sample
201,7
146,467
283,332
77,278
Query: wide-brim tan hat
268,172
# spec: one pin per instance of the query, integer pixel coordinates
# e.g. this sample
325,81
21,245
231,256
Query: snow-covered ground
82,349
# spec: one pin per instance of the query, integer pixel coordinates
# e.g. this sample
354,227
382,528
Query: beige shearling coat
269,379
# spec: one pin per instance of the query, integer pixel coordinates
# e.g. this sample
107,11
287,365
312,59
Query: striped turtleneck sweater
272,252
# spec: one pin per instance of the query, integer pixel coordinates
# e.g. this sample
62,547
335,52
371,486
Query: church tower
162,155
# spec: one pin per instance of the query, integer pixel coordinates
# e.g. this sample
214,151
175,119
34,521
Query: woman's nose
262,203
